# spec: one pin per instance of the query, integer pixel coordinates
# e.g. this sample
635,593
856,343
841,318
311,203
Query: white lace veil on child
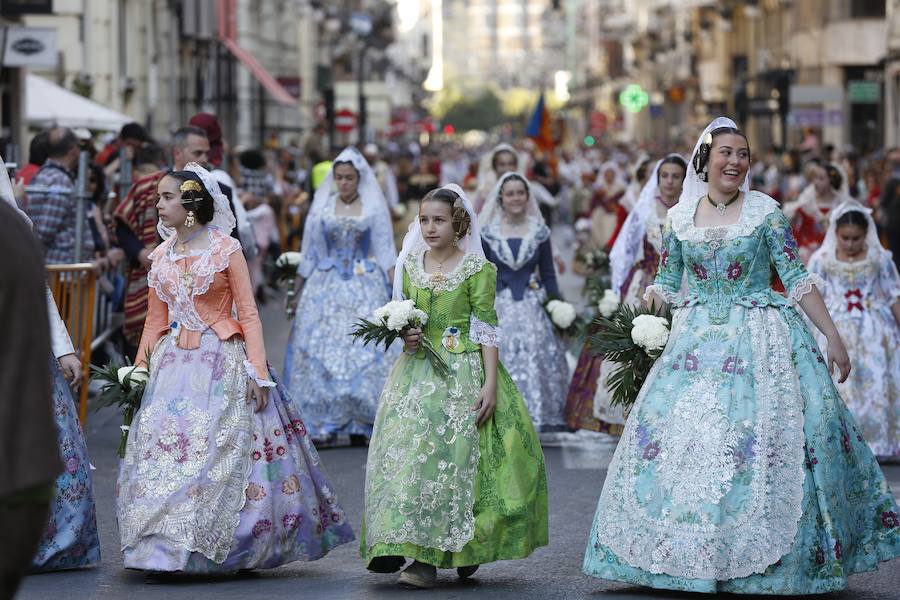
828,249
413,242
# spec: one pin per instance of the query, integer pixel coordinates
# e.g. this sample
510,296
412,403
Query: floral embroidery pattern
735,270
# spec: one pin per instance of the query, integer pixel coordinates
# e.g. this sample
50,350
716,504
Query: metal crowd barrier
74,288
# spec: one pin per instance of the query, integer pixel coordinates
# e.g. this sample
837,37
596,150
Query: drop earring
189,221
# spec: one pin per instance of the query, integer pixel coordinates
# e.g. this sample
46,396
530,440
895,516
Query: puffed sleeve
667,284
785,254
154,325
484,327
248,315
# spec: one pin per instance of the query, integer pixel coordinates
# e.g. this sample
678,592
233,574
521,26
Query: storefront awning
260,73
50,105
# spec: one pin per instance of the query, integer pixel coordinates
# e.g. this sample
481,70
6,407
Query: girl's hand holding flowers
411,338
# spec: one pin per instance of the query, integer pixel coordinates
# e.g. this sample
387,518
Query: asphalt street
576,468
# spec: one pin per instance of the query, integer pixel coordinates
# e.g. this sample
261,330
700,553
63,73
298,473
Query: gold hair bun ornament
190,186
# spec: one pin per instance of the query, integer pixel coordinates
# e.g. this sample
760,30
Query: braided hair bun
459,217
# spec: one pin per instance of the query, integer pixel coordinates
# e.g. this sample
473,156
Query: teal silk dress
439,489
740,469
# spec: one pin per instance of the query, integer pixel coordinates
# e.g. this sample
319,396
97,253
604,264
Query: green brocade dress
439,489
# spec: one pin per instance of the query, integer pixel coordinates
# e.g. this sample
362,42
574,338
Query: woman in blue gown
740,469
347,265
517,240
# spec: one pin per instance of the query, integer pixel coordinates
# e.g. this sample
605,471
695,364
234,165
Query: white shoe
418,575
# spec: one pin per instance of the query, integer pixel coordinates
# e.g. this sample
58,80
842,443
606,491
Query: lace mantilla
442,282
177,287
754,211
484,333
537,234
695,459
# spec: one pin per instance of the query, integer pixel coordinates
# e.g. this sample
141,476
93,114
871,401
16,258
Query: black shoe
386,564
466,572
358,440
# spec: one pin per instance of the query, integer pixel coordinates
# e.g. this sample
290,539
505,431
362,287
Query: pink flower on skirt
262,527
255,492
72,464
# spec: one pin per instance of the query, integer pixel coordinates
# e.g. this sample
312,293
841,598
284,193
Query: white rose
583,225
382,312
399,315
650,332
138,374
562,314
400,211
419,315
608,304
288,259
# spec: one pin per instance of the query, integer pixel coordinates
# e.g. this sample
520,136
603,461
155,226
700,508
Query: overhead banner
30,47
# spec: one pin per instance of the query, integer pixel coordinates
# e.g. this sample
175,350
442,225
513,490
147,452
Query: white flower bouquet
123,386
287,263
608,304
634,337
563,316
390,321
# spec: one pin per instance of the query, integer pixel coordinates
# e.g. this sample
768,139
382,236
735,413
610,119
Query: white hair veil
694,187
374,208
874,249
223,218
414,243
627,245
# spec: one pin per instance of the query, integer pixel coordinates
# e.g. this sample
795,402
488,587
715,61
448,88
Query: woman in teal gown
740,469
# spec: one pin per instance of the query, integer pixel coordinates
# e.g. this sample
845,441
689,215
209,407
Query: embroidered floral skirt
334,379
740,470
534,357
872,392
440,491
70,539
207,484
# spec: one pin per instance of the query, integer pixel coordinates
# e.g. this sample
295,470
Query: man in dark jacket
29,456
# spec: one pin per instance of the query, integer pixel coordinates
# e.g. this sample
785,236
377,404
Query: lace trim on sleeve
483,333
251,373
805,286
661,291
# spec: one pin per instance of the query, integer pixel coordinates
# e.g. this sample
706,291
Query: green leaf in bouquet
613,341
376,333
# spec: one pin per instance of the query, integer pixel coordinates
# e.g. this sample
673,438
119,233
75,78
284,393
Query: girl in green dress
455,475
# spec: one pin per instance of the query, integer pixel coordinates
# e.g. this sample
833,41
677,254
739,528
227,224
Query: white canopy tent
50,105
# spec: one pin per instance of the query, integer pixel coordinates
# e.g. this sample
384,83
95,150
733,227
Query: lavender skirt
209,486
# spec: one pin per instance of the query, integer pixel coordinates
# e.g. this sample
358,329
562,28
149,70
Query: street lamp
361,24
